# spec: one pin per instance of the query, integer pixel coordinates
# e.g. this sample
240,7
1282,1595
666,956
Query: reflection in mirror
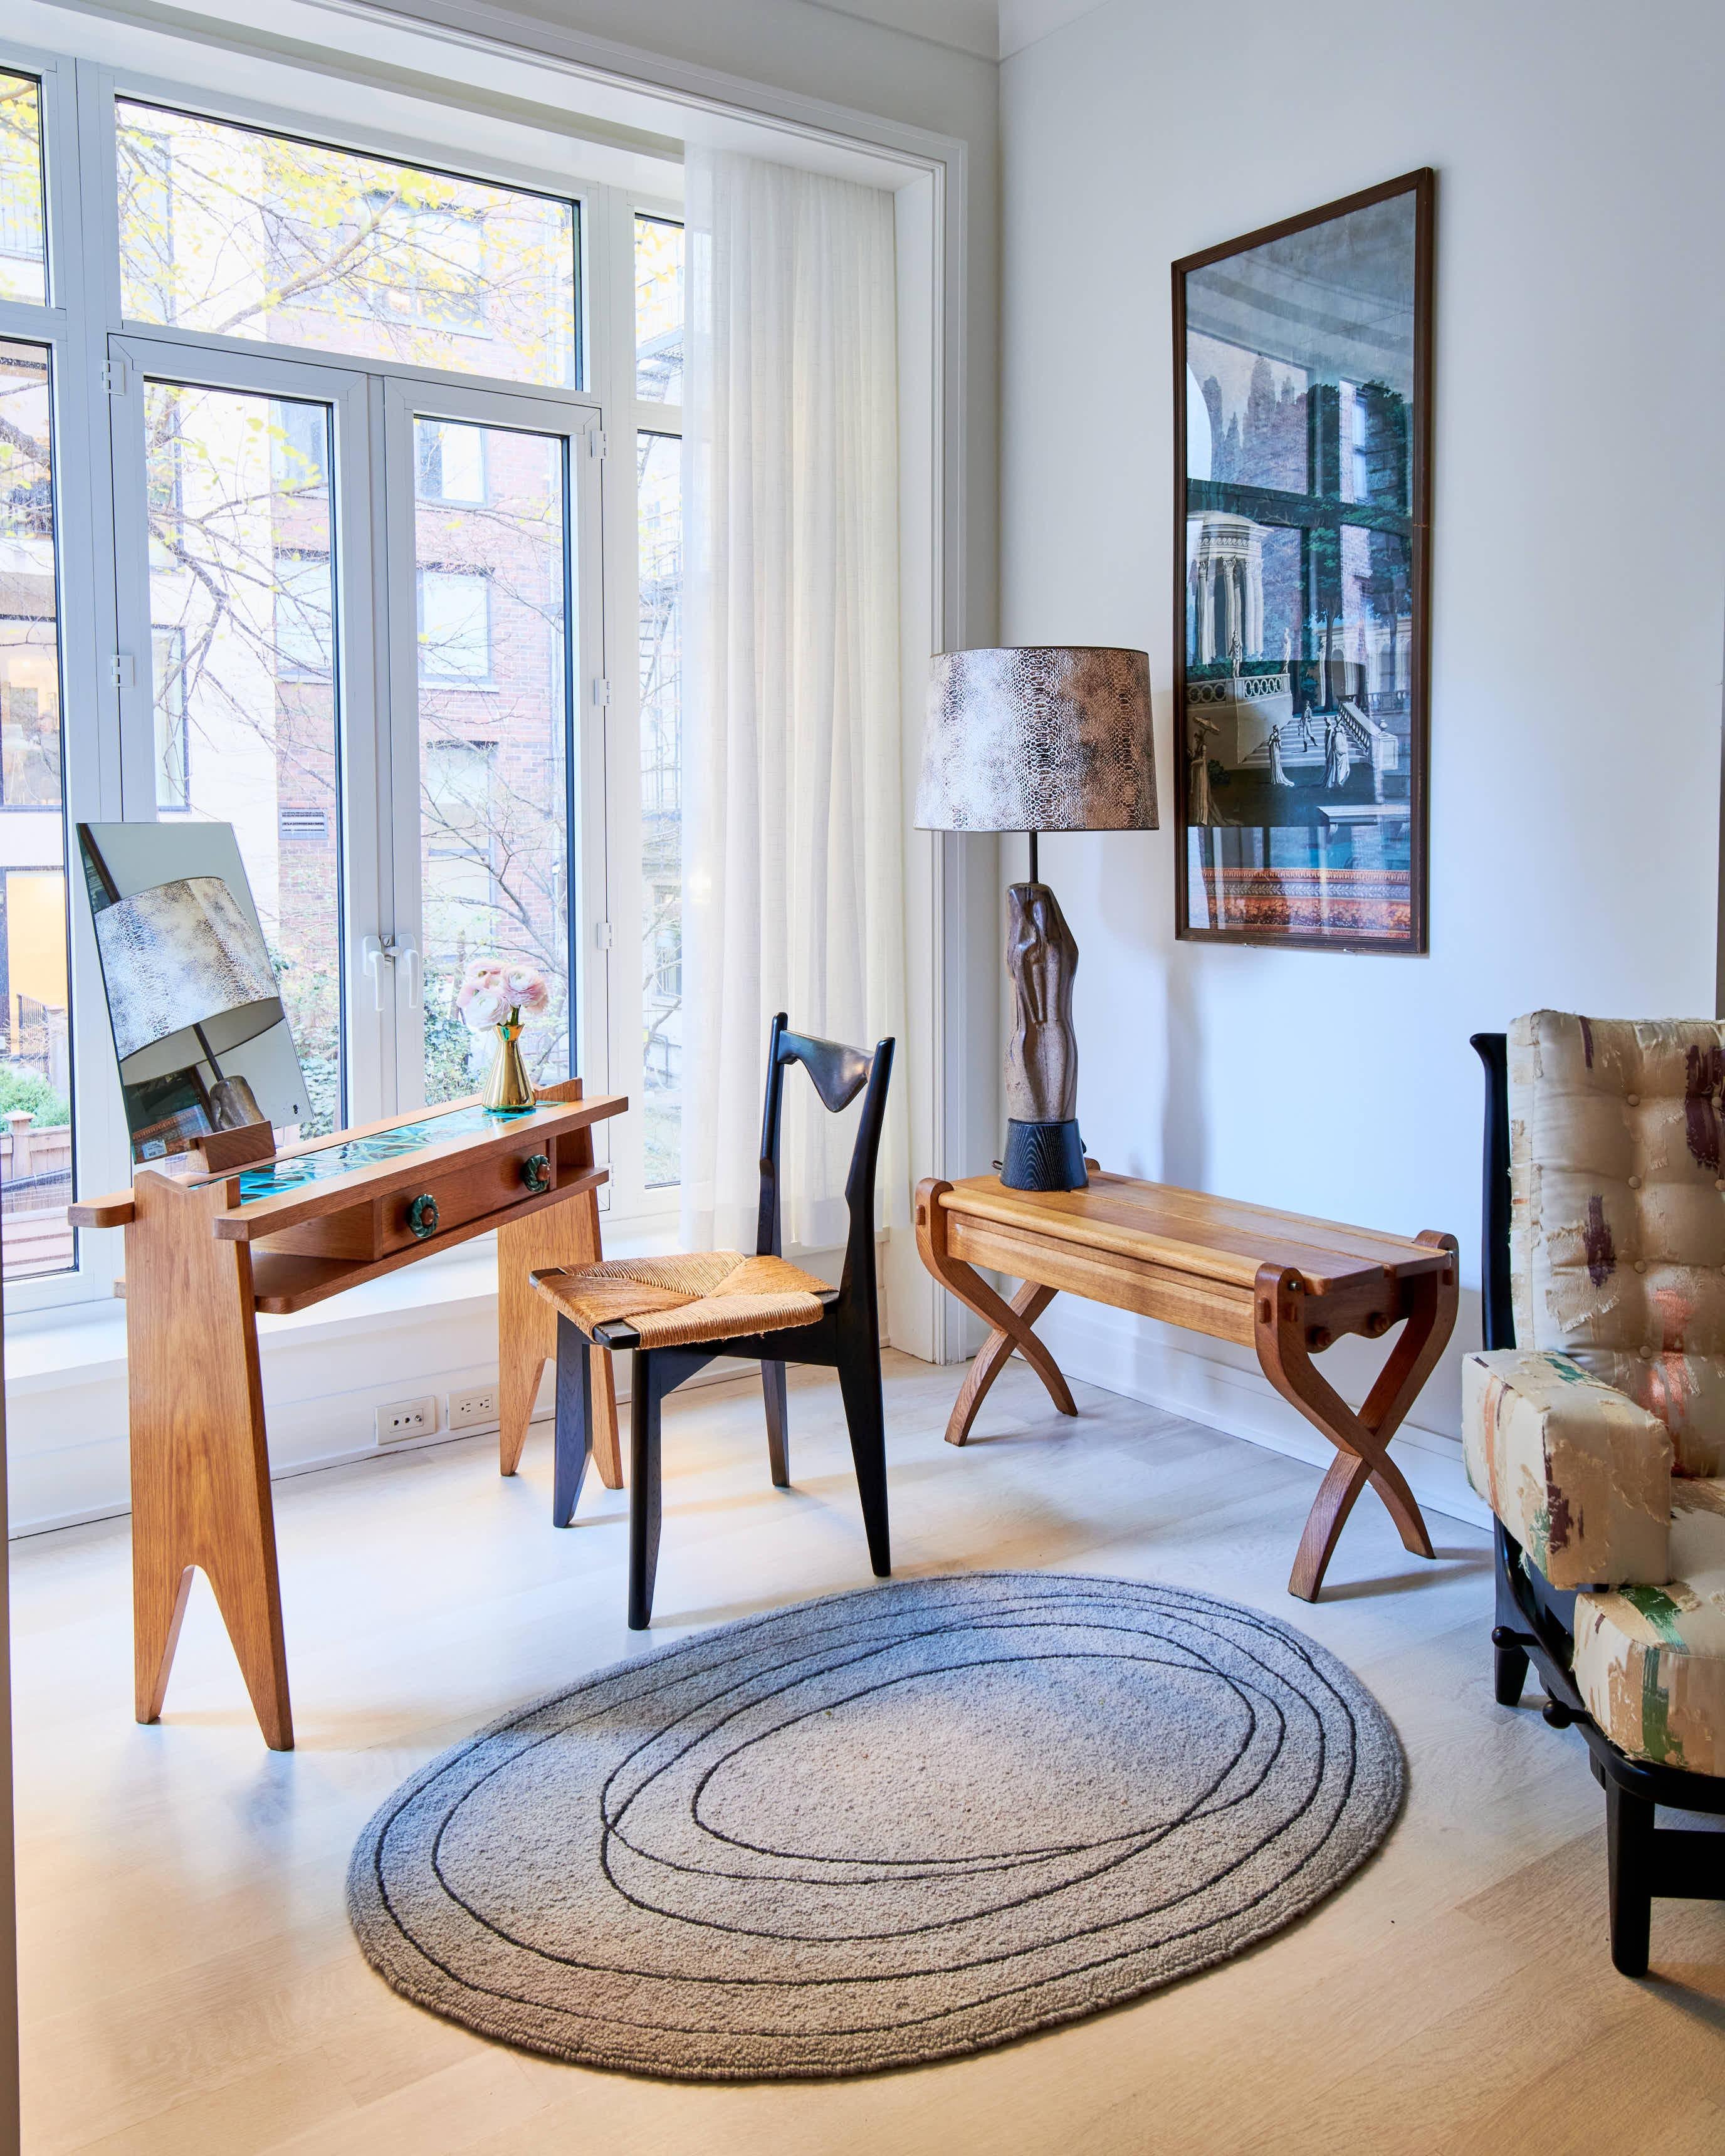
203,1041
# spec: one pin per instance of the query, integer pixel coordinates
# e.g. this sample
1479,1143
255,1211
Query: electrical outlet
471,1410
407,1419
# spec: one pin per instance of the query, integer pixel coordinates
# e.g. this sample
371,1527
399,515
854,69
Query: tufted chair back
1618,1211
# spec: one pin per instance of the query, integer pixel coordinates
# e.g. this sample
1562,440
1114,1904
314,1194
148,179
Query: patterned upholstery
1599,1442
678,1301
1650,1662
1618,1235
1580,1476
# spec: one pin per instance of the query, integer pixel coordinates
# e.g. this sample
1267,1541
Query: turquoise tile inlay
270,1178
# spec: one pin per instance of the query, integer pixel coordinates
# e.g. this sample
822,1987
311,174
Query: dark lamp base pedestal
1044,1157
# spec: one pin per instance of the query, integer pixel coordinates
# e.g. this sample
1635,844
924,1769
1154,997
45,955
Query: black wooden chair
675,1315
1539,1424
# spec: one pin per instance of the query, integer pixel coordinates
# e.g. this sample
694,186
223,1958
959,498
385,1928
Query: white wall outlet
407,1419
472,1409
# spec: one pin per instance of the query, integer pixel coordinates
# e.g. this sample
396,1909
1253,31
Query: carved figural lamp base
1039,738
1043,1151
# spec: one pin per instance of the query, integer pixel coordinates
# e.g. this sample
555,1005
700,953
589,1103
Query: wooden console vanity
215,1236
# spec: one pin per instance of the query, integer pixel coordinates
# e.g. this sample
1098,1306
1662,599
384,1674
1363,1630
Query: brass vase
508,1089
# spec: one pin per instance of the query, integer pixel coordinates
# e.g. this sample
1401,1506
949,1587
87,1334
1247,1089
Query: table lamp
1045,737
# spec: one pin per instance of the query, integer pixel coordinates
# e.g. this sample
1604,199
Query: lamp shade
179,955
1039,737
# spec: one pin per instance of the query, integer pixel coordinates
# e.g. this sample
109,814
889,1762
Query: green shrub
21,1088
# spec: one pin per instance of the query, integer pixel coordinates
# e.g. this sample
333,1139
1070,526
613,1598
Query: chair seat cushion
679,1301
1650,1662
1578,1473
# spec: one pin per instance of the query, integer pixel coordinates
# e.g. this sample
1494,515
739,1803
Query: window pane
35,1074
493,727
659,461
242,588
231,231
23,252
659,310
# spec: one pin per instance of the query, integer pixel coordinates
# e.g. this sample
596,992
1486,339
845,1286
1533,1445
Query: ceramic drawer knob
421,1215
536,1173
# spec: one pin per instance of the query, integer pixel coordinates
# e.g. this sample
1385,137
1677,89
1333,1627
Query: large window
352,463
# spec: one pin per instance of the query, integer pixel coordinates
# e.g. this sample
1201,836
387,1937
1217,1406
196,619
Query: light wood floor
190,1984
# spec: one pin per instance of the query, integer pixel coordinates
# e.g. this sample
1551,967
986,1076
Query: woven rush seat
677,1302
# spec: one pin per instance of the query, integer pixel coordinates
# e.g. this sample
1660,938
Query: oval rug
878,1828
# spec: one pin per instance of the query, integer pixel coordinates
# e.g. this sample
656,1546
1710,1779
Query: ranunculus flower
484,1009
524,987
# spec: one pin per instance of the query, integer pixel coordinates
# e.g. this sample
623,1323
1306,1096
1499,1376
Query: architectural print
1301,406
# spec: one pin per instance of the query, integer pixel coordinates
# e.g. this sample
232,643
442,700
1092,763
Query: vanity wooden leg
567,1234
200,1467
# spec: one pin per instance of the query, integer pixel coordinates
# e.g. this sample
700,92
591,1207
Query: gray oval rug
878,1828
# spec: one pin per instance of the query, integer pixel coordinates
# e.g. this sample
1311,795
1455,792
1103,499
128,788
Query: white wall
1580,571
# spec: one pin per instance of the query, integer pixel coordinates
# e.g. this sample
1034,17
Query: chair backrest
1496,1297
1605,1196
839,1074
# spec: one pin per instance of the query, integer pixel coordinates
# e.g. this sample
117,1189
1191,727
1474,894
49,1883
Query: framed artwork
1303,463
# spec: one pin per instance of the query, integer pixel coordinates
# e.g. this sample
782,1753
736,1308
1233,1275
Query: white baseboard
1149,1363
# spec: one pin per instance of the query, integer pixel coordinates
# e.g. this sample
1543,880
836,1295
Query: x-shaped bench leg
1011,1322
1284,1314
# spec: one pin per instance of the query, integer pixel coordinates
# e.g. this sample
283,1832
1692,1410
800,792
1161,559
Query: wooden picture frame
1301,575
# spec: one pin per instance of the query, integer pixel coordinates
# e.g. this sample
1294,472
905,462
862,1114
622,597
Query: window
305,622
300,449
35,1063
233,231
455,626
23,252
452,462
659,310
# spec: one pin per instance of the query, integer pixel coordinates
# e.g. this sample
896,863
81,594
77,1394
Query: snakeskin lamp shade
1042,737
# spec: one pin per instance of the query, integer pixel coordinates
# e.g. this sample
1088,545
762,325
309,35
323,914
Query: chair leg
860,1384
643,1488
1629,1833
1509,1675
777,1451
572,1443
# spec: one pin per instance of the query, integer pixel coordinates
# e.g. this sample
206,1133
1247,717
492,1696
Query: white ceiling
992,29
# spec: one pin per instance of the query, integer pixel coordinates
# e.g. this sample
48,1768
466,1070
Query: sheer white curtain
793,891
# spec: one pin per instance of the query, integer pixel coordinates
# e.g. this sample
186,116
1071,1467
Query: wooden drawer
379,1227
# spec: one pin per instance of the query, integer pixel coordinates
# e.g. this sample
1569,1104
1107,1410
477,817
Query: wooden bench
1278,1282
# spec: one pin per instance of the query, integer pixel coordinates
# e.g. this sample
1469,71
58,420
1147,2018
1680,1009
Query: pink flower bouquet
492,992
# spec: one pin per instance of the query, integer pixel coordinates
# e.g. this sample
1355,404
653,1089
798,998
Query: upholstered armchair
1598,1438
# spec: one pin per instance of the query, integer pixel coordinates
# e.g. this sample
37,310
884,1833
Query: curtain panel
793,889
